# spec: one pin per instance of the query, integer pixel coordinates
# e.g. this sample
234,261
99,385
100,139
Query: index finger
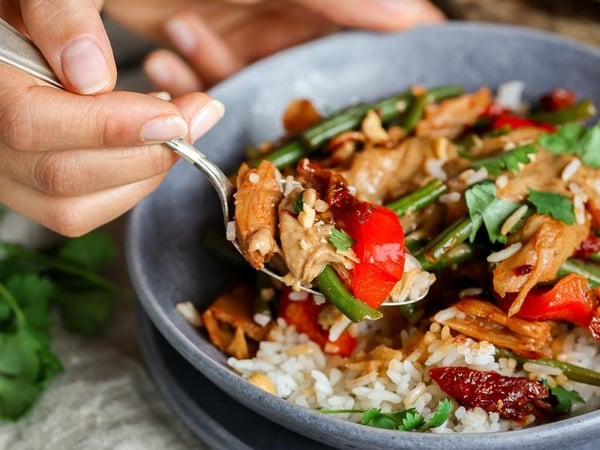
42,118
71,35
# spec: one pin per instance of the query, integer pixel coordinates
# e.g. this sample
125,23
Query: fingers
75,216
383,15
205,51
71,36
84,160
168,72
113,119
75,172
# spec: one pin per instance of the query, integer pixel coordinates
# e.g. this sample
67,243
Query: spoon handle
20,52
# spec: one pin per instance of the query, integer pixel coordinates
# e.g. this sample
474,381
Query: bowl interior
164,247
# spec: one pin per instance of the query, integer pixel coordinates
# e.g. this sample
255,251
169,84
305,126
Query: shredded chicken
304,242
230,325
379,174
484,321
539,258
451,117
256,201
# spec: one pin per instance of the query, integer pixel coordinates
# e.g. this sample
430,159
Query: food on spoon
490,213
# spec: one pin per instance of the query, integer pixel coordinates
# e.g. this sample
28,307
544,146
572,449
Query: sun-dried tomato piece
557,99
511,397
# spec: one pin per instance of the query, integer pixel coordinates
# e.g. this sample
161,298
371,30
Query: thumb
71,35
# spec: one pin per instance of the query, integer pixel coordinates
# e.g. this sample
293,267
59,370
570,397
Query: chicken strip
256,201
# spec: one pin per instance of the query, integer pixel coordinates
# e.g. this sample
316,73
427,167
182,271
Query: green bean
415,111
588,270
418,199
336,293
347,119
444,92
571,371
392,107
285,155
582,110
316,135
457,233
459,254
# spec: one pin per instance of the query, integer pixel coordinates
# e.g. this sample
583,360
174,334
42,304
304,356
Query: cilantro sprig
404,420
31,284
510,160
340,239
563,399
488,211
299,202
577,139
554,204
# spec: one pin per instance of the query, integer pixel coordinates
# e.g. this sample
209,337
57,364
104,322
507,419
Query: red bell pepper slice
379,246
304,315
513,121
571,299
376,230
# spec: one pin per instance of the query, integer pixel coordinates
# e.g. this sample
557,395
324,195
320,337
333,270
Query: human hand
74,162
218,37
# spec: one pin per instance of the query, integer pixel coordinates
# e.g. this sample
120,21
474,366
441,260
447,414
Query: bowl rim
290,414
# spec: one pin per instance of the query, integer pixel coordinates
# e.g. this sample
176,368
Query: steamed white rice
394,380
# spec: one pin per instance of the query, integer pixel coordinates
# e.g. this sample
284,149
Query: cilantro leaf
18,355
441,414
406,420
564,139
510,160
375,418
485,209
412,420
564,399
26,361
4,311
33,294
92,250
84,311
576,139
340,239
556,205
590,147
299,202
31,282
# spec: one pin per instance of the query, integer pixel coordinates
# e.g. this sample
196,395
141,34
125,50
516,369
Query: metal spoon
20,52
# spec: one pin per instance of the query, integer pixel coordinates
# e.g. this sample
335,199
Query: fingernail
206,118
163,95
181,35
423,10
84,64
163,129
158,71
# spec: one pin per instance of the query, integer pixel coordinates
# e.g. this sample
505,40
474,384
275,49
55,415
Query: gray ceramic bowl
165,256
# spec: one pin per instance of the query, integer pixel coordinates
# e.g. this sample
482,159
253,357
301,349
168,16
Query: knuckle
56,173
67,219
161,160
17,127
